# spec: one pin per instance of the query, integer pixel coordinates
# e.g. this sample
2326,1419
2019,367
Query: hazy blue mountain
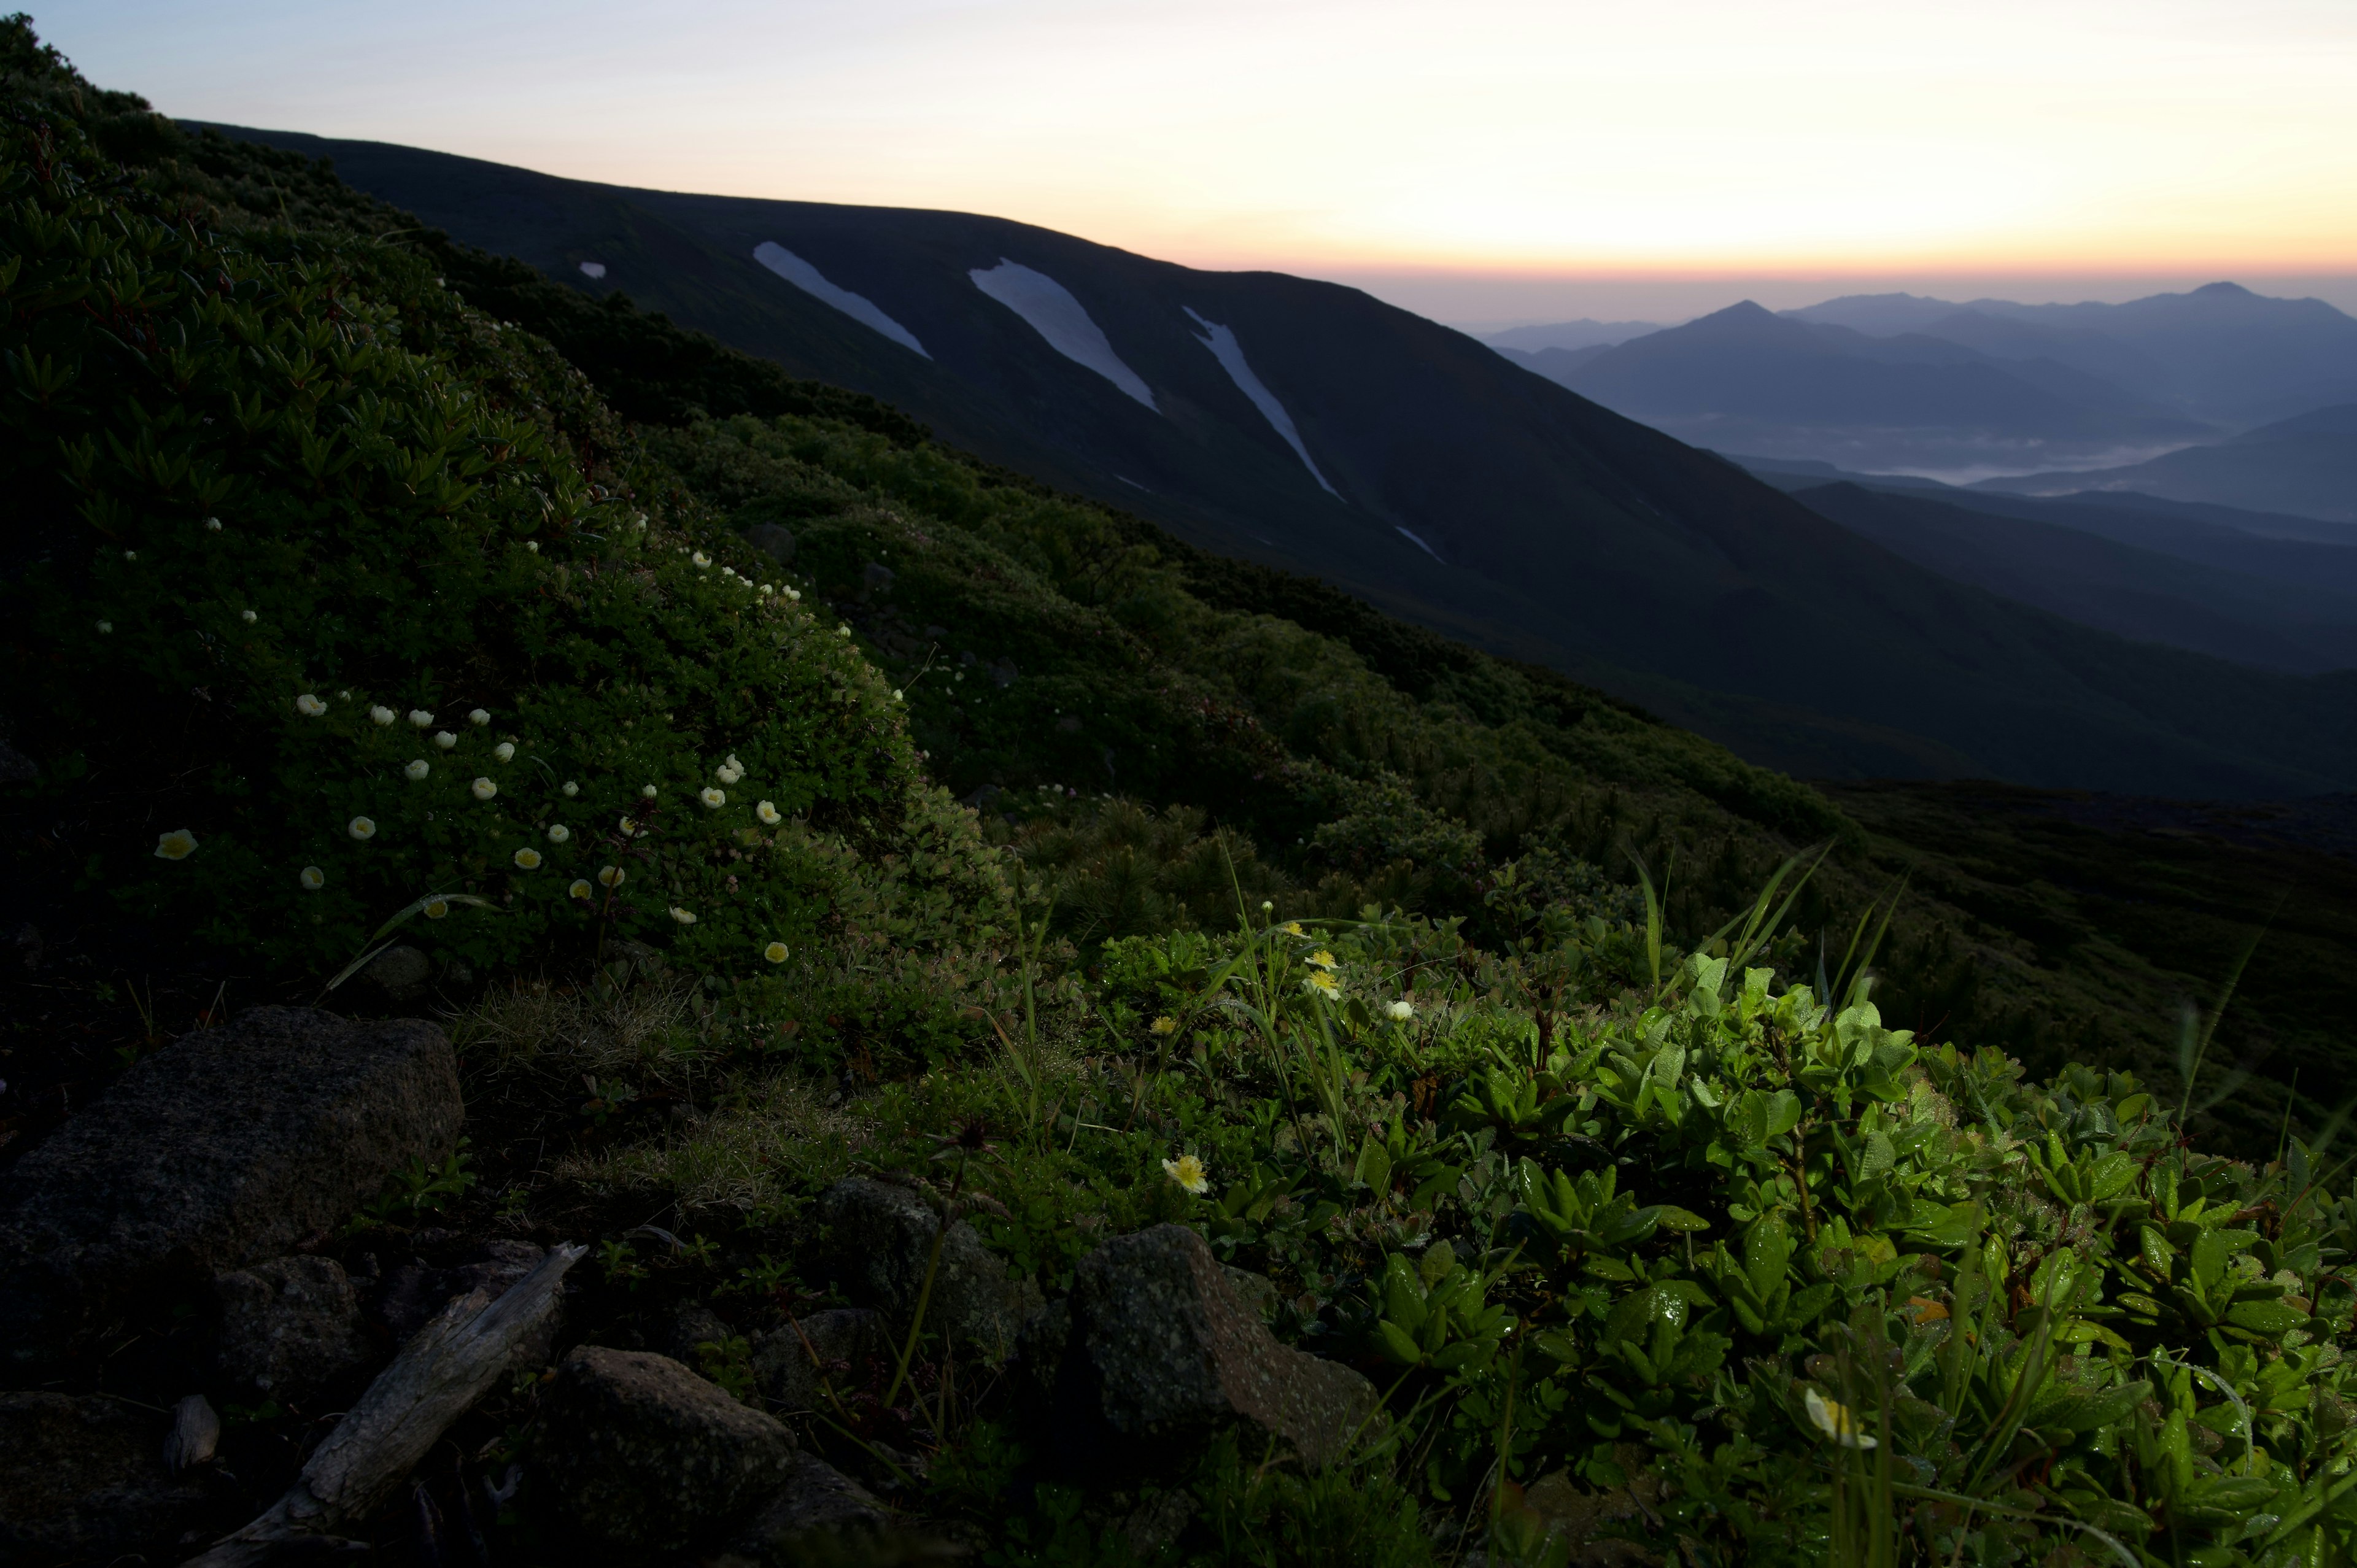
1580,334
1311,426
1745,379
2220,352
2134,591
2306,465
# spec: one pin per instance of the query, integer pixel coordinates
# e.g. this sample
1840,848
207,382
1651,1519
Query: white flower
444,740
1266,906
434,909
1837,1422
648,791
768,813
478,718
775,952
177,844
212,525
484,789
532,545
612,876
732,762
558,833
104,626
701,559
504,751
580,888
382,715
360,828
682,916
420,719
313,878
248,616
418,770
726,774
571,789
795,594
131,555
713,799
343,696
1401,1011
629,826
896,694
309,706
842,632
1189,1173
527,859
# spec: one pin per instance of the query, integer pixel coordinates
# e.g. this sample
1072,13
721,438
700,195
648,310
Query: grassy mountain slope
1570,537
1238,669
1606,1223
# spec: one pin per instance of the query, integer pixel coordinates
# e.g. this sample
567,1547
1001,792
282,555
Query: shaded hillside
1481,501
2306,465
2134,592
1744,380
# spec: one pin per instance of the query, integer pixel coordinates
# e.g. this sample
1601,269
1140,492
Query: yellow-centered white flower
309,706
484,789
177,844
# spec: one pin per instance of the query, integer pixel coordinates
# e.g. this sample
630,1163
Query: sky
1482,161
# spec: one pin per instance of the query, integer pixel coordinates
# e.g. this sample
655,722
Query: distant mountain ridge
1309,425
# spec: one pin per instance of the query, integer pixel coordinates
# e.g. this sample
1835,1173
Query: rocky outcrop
639,1456
289,1327
880,1237
82,1478
845,1341
216,1152
1164,1354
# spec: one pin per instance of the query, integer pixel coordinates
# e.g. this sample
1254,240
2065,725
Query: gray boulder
400,974
774,540
640,1457
691,1328
823,1517
882,1234
227,1148
845,1341
83,1479
289,1327
1164,1355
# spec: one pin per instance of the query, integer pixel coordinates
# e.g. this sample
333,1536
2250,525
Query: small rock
1164,1354
402,974
774,540
692,1326
226,1148
640,1456
289,1326
876,578
82,1478
882,1237
195,1437
821,1515
848,1341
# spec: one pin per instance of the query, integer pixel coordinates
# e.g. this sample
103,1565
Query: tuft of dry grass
533,1041
748,1157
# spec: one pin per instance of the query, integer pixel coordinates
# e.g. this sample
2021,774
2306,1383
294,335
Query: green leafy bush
333,602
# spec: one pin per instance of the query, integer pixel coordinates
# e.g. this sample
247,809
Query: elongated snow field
813,281
1231,354
1049,308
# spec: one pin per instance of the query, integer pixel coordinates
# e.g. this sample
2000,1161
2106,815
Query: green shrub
331,599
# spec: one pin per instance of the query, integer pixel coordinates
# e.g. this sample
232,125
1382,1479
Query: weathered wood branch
448,1365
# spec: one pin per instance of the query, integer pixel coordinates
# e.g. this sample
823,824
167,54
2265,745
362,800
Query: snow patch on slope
1231,354
1049,308
1420,544
812,282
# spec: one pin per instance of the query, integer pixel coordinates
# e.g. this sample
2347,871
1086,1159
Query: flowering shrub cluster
332,600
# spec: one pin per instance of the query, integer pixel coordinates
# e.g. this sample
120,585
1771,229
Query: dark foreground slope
1465,494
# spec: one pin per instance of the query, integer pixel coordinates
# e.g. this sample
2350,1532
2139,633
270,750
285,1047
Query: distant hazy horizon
1493,162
